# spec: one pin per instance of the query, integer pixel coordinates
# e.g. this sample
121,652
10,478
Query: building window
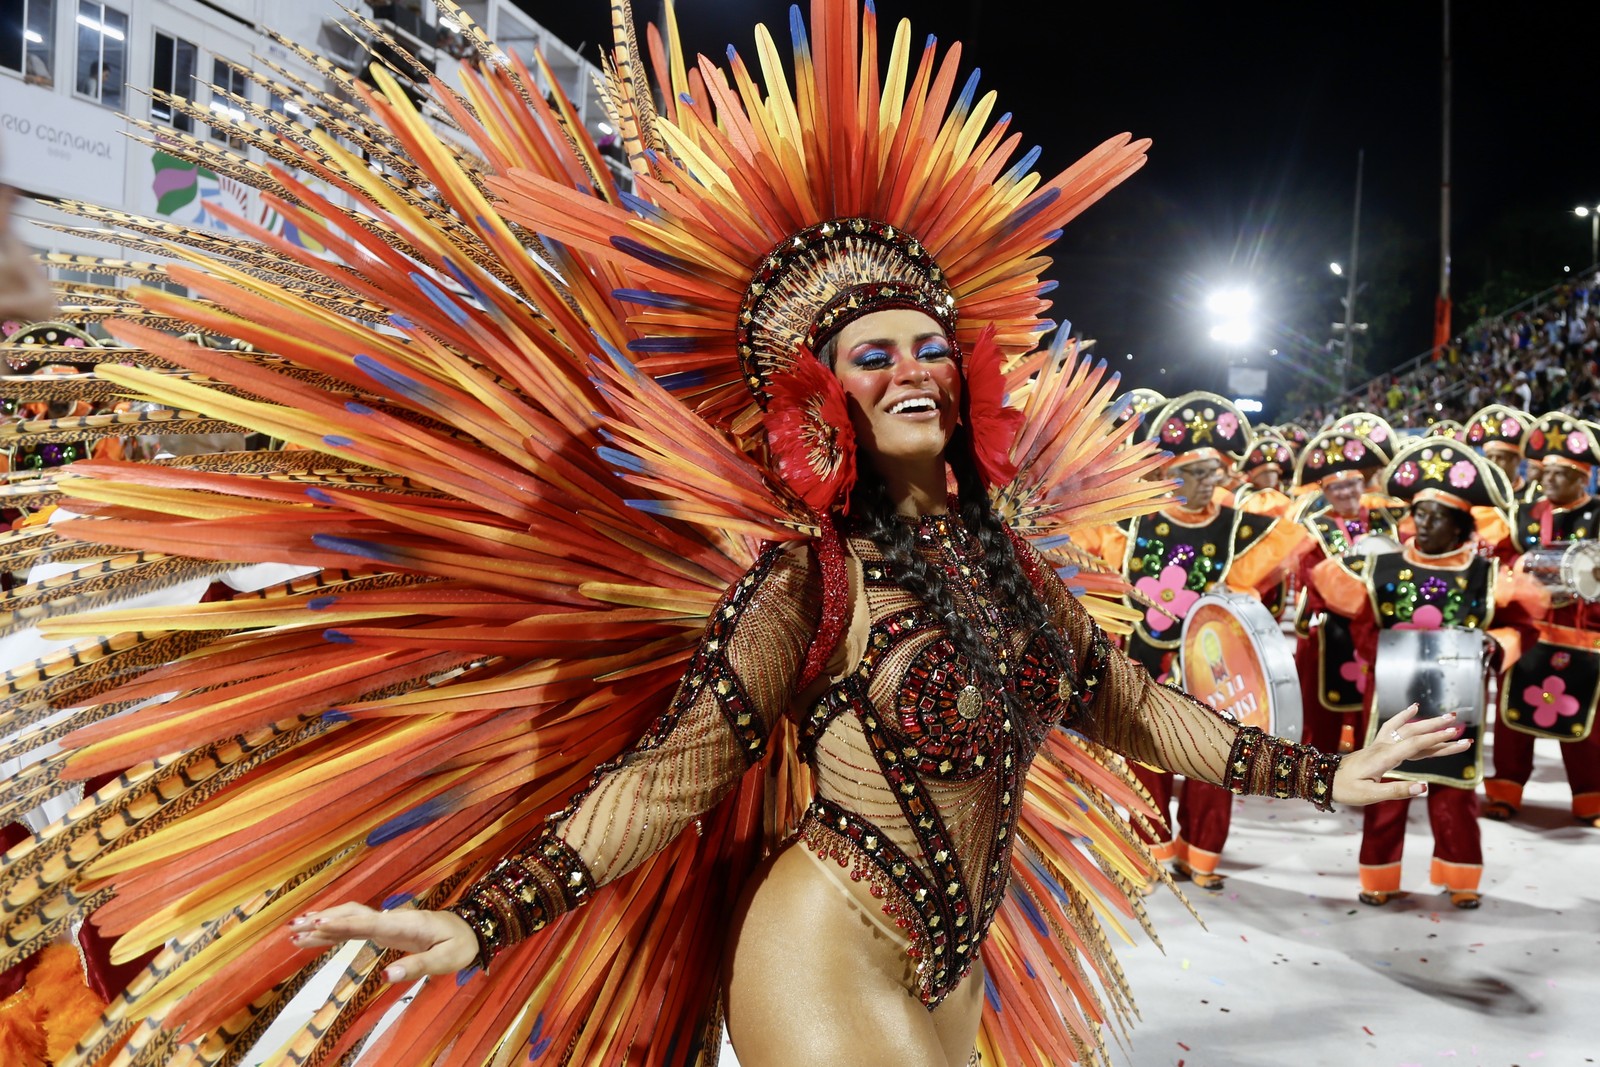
28,39
177,62
232,81
102,52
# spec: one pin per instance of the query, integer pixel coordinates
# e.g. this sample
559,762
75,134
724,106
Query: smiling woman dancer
961,651
832,440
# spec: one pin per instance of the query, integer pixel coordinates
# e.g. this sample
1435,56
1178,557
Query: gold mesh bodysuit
918,774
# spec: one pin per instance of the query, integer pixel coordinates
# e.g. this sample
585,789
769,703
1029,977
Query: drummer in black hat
1333,678
1501,433
1438,582
1552,690
1172,557
1265,472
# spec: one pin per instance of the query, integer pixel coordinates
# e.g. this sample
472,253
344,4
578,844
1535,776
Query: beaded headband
812,285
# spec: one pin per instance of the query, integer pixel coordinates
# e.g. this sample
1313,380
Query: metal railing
1346,400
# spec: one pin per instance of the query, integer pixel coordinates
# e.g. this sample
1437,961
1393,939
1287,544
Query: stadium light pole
1593,215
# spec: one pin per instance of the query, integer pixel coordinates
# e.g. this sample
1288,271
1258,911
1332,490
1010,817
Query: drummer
1173,556
1501,434
1437,581
1382,441
1552,689
1333,678
1262,472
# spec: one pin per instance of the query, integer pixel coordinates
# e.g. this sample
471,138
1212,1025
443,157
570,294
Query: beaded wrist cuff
1263,765
522,895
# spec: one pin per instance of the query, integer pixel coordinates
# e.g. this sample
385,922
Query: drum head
1581,563
1235,658
1374,544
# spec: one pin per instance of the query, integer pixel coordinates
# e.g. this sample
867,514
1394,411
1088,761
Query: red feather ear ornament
809,432
991,424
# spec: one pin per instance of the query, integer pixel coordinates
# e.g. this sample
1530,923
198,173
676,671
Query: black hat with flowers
1268,450
1199,426
1335,454
1447,472
1379,436
1559,438
1498,428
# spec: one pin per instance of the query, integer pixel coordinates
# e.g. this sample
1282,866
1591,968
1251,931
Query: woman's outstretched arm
737,685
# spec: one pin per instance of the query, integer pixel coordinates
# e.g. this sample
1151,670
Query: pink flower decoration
1511,427
1356,671
1172,432
73,342
1227,424
1427,617
1167,591
1353,450
1550,701
1462,474
1378,434
1407,472
1577,442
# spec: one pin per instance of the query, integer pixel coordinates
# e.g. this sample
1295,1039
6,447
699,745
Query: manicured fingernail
1418,788
394,972
1448,716
298,922
318,922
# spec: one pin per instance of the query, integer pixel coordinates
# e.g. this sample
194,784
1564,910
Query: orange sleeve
1106,541
1266,502
1515,587
1510,642
1267,559
1491,525
1339,589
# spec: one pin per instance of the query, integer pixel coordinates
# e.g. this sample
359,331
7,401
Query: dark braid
873,516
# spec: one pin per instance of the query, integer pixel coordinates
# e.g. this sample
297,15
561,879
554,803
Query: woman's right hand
438,942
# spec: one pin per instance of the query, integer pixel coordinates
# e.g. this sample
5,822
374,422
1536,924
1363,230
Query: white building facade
70,70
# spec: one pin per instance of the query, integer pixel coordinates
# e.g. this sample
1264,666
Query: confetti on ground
1185,1048
1368,1029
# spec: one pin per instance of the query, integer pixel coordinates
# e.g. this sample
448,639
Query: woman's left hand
1359,779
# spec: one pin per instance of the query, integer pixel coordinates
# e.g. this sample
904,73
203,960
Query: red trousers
1322,725
1457,846
1513,764
1205,812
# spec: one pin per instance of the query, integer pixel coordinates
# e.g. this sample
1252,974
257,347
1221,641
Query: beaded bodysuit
918,774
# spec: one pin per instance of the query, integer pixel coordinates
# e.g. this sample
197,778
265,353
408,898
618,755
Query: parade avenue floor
1291,970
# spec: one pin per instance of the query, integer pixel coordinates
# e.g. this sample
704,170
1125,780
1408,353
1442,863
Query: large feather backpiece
518,469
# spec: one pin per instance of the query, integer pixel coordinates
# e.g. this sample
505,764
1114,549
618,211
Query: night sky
1257,111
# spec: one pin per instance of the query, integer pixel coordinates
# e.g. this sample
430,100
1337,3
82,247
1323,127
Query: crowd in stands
1542,358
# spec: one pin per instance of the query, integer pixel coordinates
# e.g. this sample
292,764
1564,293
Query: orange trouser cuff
1506,791
1457,877
1380,877
1586,805
1199,860
1164,851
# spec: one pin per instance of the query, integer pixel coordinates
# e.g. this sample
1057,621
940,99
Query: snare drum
1439,671
1570,569
1235,658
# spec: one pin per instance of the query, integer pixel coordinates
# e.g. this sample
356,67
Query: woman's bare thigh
813,979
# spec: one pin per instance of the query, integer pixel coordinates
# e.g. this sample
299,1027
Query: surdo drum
1234,658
